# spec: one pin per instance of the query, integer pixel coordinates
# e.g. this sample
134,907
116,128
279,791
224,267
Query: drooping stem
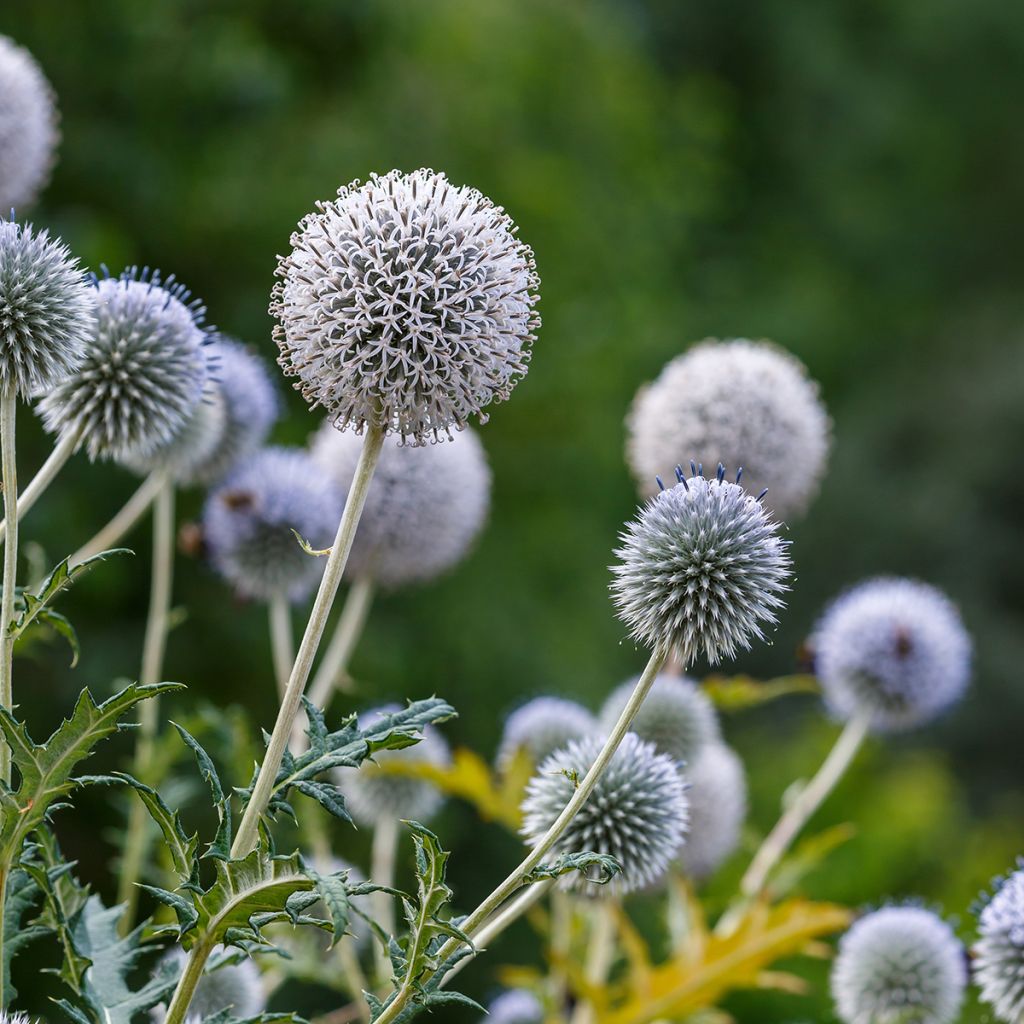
190,978
290,704
62,451
154,646
382,872
282,647
600,956
8,466
803,807
124,521
349,629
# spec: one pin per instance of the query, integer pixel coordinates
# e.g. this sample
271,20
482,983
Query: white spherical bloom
425,507
7,1017
516,1006
28,126
541,726
718,808
224,986
407,302
899,965
999,951
743,403
895,649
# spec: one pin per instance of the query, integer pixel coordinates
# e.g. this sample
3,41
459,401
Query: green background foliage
844,178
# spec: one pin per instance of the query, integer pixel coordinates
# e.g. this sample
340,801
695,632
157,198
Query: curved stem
600,956
282,646
810,799
382,872
124,521
247,831
62,451
339,650
9,469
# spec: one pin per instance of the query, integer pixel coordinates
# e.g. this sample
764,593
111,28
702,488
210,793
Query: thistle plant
998,954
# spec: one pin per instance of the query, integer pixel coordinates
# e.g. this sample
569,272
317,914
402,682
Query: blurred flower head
516,1006
999,951
718,808
541,726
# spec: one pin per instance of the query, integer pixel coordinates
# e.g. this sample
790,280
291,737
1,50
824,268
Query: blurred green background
845,178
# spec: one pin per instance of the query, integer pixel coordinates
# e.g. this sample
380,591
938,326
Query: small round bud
516,1006
224,986
893,648
541,726
718,808
999,951
407,302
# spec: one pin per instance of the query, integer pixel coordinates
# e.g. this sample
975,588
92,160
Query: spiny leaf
608,867
22,894
221,845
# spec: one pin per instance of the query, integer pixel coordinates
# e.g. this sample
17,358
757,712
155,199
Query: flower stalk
54,463
9,468
282,646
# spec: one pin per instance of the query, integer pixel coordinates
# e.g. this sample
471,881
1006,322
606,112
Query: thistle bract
999,951
541,726
718,807
516,1006
407,302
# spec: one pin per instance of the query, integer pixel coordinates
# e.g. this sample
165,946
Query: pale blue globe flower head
516,1006
226,984
637,813
895,649
718,809
47,310
702,570
899,965
408,303
373,796
676,716
425,508
999,951
146,369
248,524
744,403
541,726
28,126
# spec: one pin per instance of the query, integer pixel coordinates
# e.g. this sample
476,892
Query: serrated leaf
221,845
21,895
608,867
61,625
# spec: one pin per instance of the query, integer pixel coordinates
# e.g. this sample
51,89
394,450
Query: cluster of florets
540,727
718,808
516,1006
999,951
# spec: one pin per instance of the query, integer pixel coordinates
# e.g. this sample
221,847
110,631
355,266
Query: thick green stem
290,705
124,521
62,451
282,647
190,978
8,411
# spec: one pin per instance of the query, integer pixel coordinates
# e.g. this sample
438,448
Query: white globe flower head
740,402
541,726
999,951
408,303
676,716
7,1017
899,965
718,809
701,570
637,812
425,508
226,984
895,649
28,126
516,1006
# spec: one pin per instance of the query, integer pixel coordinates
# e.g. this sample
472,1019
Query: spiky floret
248,522
676,716
899,965
373,795
740,402
637,812
145,369
425,508
541,726
516,1006
894,648
10,1017
702,569
28,126
718,808
47,310
406,302
227,983
999,951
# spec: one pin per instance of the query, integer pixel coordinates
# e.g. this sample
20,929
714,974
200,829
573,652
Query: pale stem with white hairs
62,451
9,468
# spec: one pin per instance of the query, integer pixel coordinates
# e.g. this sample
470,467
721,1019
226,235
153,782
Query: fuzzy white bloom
743,403
224,986
8,1017
899,965
637,812
406,302
425,507
541,726
718,808
28,126
999,951
701,569
516,1006
895,648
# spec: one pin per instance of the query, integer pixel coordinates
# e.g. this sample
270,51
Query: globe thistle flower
145,372
407,302
28,126
6,1016
676,716
701,569
744,403
374,796
425,507
899,965
999,951
637,812
248,522
541,726
718,808
225,985
895,649
47,310
516,1006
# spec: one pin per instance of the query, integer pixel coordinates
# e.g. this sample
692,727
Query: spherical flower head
248,522
374,796
407,302
425,508
7,1016
224,985
676,716
899,965
637,812
47,310
895,649
516,1006
541,726
701,569
28,126
999,951
744,403
146,369
718,808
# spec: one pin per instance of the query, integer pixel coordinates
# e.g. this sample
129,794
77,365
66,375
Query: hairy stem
8,416
290,704
124,521
382,872
62,451
282,646
190,978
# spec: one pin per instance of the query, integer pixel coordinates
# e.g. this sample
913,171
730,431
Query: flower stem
248,829
131,512
9,468
282,646
349,629
190,978
382,872
62,451
600,956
